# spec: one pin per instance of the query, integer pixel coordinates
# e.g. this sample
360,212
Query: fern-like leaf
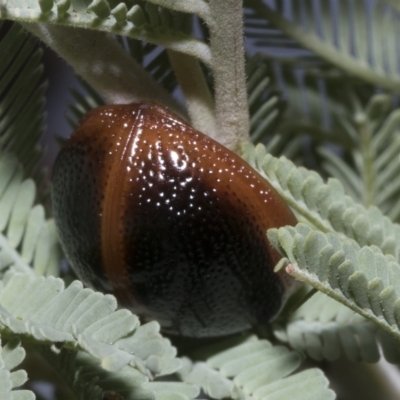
325,205
315,105
249,368
137,19
81,318
354,257
21,96
268,112
265,105
375,164
89,381
362,278
26,237
123,353
373,60
325,329
11,355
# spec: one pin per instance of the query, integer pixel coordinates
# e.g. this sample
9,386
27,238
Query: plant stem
228,66
199,101
100,60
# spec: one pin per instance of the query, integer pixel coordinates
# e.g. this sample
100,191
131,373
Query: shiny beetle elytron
169,221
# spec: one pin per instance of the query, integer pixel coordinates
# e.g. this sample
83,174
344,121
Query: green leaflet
22,96
325,205
325,329
373,60
89,381
356,119
249,368
265,107
353,255
316,103
26,237
140,20
79,318
11,355
362,278
372,179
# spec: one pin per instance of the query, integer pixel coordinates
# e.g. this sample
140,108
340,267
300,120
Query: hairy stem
199,101
100,60
228,66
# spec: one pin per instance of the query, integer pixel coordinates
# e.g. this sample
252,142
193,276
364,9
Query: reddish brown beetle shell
169,221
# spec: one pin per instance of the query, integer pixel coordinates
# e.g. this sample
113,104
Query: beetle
169,221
